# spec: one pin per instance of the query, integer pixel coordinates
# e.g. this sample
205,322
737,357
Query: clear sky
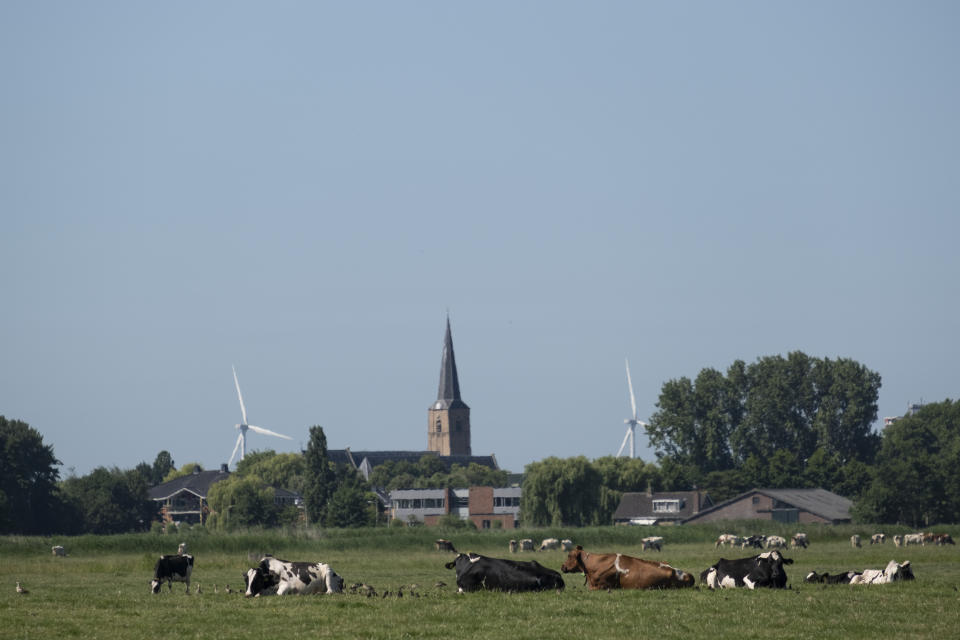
305,189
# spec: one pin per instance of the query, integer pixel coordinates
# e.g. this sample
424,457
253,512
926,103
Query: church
448,427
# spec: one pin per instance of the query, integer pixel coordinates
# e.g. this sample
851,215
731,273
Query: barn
780,505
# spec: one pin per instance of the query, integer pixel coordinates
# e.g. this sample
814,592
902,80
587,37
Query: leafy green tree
320,477
917,478
111,500
29,500
563,492
242,501
283,470
350,506
185,470
162,465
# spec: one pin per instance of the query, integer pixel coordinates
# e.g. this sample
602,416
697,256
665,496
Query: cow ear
579,548
449,565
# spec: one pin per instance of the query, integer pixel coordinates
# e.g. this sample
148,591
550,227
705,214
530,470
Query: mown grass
101,590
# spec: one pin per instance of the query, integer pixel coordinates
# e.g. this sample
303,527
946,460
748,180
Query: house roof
198,483
820,502
640,505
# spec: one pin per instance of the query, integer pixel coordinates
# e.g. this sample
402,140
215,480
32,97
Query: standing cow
566,544
878,538
172,569
855,541
776,542
59,551
549,544
799,540
651,542
513,546
444,545
526,545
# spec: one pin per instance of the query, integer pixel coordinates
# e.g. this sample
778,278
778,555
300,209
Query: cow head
333,580
895,571
772,563
155,586
258,581
574,561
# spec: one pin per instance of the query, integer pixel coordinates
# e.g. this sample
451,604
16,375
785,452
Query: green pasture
101,589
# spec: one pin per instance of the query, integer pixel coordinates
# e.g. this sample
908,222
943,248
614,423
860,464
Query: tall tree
111,500
564,492
162,465
320,477
917,479
29,501
242,501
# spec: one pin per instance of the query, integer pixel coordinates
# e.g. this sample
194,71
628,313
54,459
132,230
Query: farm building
780,505
670,507
481,505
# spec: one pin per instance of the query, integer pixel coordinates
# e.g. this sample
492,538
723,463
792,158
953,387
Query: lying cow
549,544
727,538
776,542
617,571
894,572
172,569
59,551
764,570
826,578
799,540
444,545
651,542
273,575
878,538
476,572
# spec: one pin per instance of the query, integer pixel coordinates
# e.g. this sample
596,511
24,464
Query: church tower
448,419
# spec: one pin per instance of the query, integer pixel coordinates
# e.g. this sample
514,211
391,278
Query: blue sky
305,190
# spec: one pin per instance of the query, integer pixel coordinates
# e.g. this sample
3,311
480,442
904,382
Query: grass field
101,590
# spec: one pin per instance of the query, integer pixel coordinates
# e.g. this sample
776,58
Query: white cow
548,544
878,538
892,573
566,544
898,541
799,540
913,538
854,540
651,542
727,538
181,548
59,551
513,546
776,542
273,575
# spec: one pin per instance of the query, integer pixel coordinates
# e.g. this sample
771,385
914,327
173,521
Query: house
665,507
184,499
481,505
780,505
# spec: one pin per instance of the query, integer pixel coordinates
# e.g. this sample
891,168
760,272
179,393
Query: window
756,499
507,501
439,424
485,524
666,506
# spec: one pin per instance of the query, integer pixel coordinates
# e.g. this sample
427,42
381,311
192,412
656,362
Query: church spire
449,390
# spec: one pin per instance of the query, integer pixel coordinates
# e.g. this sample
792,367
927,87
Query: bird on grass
198,588
227,589
215,590
21,590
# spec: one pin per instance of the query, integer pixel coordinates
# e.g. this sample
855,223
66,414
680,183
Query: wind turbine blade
243,409
267,432
633,400
235,447
624,443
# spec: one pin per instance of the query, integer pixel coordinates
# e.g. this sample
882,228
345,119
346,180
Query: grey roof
820,502
640,505
198,483
448,393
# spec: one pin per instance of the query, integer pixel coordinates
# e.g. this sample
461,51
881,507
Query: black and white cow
826,578
893,572
172,569
764,570
752,541
476,572
277,576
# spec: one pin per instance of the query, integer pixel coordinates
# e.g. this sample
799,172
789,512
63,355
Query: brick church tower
448,419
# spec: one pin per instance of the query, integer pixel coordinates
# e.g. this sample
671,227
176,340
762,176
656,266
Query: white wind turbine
631,422
242,428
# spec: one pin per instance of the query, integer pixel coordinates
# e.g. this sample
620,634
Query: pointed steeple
449,390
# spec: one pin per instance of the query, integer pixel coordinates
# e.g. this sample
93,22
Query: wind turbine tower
632,422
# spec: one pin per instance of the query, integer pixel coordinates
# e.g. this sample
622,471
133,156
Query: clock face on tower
439,405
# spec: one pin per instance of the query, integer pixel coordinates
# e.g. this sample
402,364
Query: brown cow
617,571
